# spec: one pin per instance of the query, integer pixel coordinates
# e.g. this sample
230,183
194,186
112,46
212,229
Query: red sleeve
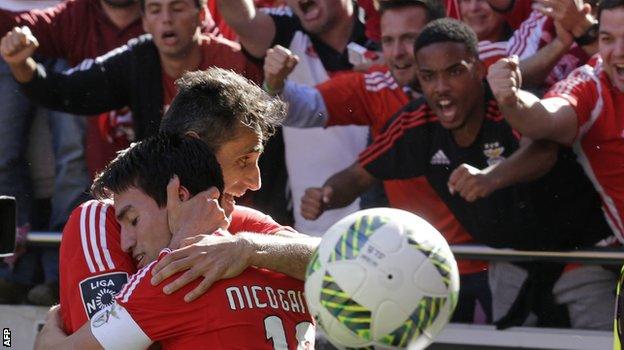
580,90
246,219
345,99
159,315
92,266
53,27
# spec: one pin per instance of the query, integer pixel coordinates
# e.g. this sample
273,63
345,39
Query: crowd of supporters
375,118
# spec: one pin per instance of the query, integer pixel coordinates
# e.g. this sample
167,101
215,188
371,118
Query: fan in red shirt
584,110
258,308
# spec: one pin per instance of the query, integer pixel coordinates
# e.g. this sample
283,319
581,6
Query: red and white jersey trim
128,288
93,237
377,81
526,39
489,49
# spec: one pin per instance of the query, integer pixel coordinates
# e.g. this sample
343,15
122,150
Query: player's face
486,23
451,80
611,45
318,16
399,30
173,25
239,163
144,228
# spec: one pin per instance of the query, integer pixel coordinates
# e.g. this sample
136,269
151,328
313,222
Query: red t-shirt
217,52
93,268
371,99
258,309
599,144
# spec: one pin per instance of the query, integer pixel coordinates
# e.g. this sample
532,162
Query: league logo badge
494,152
99,292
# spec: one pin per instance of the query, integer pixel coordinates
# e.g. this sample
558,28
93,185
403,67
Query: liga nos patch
99,291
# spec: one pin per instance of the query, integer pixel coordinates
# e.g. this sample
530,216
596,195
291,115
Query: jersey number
274,328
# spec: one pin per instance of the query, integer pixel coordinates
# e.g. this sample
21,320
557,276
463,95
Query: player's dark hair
215,102
151,163
434,8
198,3
608,5
447,30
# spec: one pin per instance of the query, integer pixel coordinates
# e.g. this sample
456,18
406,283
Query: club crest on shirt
494,152
102,316
98,292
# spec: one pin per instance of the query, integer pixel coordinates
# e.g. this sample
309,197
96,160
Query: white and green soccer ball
382,278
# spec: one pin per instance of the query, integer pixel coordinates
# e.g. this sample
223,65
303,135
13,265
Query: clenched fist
505,81
18,45
470,183
314,201
278,64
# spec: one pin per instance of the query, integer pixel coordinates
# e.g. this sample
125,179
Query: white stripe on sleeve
83,237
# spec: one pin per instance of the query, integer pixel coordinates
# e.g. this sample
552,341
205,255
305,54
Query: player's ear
184,194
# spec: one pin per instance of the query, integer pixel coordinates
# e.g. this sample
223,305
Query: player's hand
212,257
505,80
201,214
278,64
52,332
18,45
470,183
314,201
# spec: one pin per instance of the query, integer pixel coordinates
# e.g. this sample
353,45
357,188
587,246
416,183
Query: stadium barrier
28,319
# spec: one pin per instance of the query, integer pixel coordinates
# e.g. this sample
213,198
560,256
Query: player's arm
52,337
532,160
214,257
551,118
93,87
255,29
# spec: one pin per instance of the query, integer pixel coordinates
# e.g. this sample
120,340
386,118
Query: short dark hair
435,8
608,5
150,164
447,30
213,103
198,3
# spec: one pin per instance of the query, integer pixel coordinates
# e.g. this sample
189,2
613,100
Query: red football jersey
258,309
599,144
93,268
371,99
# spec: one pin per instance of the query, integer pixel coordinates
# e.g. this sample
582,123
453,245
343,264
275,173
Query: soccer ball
382,278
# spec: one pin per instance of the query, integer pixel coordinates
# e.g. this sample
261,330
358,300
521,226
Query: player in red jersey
258,308
582,110
215,257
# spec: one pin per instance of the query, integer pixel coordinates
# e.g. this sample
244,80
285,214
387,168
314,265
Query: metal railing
602,256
